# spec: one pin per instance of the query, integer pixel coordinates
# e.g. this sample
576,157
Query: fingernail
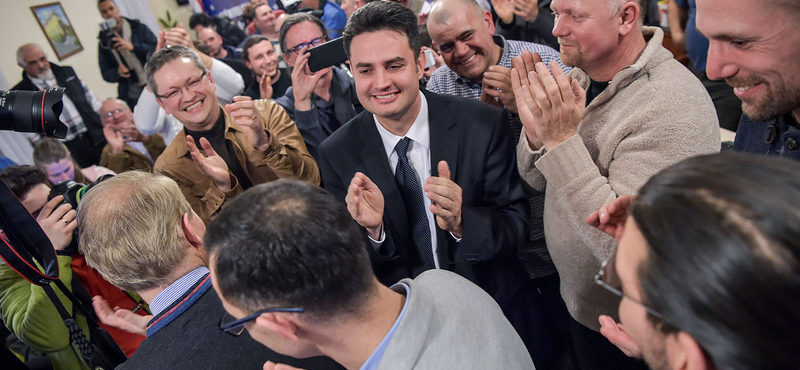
540,65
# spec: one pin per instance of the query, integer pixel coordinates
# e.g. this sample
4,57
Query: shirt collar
43,83
170,294
375,358
419,132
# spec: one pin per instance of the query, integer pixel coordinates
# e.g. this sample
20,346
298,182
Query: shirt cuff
376,244
458,240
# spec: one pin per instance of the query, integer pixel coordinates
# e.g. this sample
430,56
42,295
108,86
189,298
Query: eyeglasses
190,86
232,326
310,44
114,112
607,278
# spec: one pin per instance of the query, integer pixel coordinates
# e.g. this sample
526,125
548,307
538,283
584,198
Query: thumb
444,169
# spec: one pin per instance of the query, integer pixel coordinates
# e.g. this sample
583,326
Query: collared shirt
139,146
69,115
419,156
375,358
176,290
445,81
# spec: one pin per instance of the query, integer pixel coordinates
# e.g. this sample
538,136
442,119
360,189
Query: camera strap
26,243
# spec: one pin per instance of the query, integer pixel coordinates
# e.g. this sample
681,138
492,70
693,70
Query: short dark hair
201,19
22,178
249,43
288,243
383,16
296,19
102,1
723,262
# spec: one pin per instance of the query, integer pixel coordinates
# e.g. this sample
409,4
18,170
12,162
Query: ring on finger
64,220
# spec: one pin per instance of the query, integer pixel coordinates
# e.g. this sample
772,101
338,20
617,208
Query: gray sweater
653,114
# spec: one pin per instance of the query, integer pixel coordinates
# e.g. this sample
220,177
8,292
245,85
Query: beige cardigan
653,114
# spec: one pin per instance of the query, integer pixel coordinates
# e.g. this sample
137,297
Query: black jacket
67,78
144,43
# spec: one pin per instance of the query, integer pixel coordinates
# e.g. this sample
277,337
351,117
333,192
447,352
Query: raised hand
446,197
120,44
123,71
265,87
497,84
522,97
504,10
527,9
365,202
303,81
611,217
559,104
120,318
246,116
211,164
58,222
114,138
616,334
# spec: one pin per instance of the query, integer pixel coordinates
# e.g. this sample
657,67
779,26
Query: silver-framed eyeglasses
296,49
607,278
190,86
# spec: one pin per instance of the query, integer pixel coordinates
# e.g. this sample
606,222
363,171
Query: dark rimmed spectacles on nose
190,85
232,326
296,49
607,278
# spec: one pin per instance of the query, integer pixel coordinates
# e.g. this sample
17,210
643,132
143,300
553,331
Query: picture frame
57,29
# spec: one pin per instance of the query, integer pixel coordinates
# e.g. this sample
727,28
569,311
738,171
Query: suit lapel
373,155
444,147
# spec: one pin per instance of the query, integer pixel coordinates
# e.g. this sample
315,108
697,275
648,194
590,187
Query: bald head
32,59
443,9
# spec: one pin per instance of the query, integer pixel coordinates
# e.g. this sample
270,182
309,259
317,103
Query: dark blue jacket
144,44
778,137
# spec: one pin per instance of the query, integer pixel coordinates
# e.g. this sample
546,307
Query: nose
559,28
382,81
719,64
461,49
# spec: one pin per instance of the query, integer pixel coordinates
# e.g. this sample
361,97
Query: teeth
470,59
742,89
385,96
195,105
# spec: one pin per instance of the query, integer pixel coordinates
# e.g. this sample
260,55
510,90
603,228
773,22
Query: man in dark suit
430,177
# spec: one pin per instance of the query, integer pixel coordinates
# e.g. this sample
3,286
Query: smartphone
326,55
429,60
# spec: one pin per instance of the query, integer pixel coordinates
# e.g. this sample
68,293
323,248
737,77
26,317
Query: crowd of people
512,184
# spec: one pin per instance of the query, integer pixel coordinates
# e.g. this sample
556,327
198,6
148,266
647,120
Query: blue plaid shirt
445,81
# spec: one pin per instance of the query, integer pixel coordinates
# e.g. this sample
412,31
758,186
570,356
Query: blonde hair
131,229
51,151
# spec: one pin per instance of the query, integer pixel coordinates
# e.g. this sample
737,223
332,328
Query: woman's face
60,171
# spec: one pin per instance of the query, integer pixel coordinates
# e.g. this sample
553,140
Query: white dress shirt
419,156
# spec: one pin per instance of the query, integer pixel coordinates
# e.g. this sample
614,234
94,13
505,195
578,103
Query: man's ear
279,323
421,65
487,18
188,230
158,100
685,353
629,17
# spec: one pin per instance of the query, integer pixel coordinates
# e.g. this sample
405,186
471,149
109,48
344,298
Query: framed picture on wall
57,28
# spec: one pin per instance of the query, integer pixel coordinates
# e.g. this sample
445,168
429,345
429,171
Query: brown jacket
131,159
286,157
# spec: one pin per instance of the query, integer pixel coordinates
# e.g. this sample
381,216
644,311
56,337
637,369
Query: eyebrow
390,61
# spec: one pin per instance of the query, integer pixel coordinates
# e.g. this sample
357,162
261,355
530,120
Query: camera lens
33,111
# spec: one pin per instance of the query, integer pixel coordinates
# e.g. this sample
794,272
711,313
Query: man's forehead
112,105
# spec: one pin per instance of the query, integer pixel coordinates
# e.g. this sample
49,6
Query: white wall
18,26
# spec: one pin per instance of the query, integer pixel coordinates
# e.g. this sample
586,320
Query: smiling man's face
186,93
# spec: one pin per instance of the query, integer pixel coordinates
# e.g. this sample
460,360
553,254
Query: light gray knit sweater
653,114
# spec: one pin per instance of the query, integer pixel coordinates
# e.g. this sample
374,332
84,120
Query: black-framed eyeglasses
607,278
232,326
190,85
310,44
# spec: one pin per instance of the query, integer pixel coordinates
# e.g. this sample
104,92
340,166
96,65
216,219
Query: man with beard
216,49
261,57
755,47
627,110
84,138
722,292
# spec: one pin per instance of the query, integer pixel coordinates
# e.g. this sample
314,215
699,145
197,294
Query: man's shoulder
346,136
173,159
442,76
459,107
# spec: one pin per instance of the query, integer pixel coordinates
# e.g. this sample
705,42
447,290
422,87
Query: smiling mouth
386,96
195,105
470,59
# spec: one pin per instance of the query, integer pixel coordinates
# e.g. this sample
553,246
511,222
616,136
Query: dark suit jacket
475,140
